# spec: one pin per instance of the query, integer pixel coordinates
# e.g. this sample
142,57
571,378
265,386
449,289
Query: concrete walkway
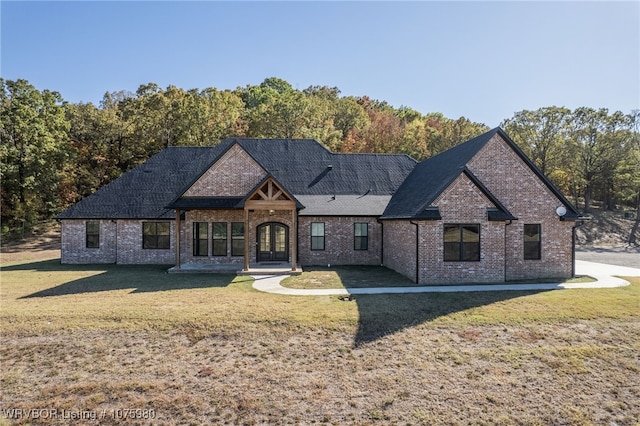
604,274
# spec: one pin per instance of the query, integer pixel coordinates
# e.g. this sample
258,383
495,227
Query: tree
540,134
32,130
349,115
628,172
454,132
596,136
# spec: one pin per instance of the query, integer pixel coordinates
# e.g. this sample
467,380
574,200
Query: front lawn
210,349
320,277
347,277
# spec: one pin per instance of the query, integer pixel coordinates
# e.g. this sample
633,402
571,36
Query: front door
273,242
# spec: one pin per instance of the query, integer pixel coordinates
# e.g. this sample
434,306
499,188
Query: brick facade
414,249
400,247
234,174
120,242
504,173
339,241
461,203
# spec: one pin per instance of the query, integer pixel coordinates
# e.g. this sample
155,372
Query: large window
156,235
317,236
532,242
219,236
237,239
93,234
200,238
461,243
360,236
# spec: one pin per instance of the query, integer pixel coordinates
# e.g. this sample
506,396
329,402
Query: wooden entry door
273,242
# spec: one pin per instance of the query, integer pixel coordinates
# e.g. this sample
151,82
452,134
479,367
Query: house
479,212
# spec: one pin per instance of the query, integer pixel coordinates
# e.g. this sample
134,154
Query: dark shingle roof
144,191
302,166
432,176
343,205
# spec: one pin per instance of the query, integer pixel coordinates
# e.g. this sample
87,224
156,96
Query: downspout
505,249
417,250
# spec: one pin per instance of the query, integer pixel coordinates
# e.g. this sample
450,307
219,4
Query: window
155,235
461,243
219,236
93,234
317,236
237,239
361,236
532,242
200,238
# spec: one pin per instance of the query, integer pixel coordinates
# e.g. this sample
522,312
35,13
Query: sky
481,60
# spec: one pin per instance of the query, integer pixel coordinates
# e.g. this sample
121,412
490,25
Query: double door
273,242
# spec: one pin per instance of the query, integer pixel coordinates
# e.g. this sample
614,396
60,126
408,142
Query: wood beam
246,238
270,205
294,240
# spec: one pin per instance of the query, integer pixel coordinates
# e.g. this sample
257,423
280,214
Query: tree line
53,152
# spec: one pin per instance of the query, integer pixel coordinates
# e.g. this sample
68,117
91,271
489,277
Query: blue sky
481,60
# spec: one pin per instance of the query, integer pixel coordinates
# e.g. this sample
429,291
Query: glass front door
273,242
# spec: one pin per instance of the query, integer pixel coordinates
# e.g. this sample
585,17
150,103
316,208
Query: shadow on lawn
138,278
381,315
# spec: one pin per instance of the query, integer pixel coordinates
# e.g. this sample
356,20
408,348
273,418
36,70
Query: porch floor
266,268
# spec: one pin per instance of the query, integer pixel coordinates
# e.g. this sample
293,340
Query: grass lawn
347,276
368,276
207,348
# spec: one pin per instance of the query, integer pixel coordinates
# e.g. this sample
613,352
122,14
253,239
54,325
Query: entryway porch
261,268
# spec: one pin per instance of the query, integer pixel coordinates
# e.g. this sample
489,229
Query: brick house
479,212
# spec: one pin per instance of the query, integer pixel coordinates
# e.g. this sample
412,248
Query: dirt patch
576,373
604,229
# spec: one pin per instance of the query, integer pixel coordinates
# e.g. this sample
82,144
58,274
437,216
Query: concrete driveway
604,274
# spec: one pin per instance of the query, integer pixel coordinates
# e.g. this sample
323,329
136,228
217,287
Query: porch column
294,243
177,243
246,239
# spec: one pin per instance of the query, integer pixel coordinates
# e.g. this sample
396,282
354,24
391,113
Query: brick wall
127,250
461,203
519,189
339,241
73,243
400,247
234,174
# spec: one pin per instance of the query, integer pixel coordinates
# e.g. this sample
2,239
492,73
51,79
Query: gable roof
432,176
300,166
144,191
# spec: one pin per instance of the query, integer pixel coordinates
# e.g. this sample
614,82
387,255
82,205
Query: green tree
541,134
628,172
595,134
454,132
32,132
